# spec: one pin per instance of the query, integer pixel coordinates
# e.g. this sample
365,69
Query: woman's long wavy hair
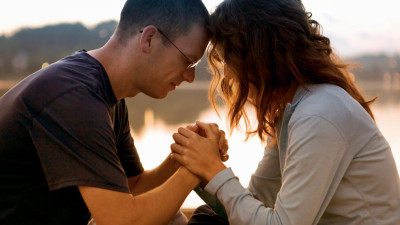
260,50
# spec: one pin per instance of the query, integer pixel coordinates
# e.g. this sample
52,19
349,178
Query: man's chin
159,95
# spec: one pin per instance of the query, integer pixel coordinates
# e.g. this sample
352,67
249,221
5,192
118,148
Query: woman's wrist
214,171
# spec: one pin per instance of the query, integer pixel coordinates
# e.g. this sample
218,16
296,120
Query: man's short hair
174,17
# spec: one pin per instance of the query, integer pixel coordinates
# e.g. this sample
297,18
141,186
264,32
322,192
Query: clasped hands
201,148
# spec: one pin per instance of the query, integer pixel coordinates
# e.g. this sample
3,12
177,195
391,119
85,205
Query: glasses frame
190,63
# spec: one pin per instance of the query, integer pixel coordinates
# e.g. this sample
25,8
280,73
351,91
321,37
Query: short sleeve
76,143
126,149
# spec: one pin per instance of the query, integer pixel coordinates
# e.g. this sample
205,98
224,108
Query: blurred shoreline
387,91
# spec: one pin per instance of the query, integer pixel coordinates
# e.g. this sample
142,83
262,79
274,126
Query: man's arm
157,206
150,179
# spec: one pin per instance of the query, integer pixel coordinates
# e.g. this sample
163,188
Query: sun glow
153,144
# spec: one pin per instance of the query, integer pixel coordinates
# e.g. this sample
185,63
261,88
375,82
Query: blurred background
34,34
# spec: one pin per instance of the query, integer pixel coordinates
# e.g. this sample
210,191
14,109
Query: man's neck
111,56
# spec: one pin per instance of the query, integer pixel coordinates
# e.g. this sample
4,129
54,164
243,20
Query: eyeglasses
191,64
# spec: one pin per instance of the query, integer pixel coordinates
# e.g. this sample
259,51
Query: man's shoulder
61,77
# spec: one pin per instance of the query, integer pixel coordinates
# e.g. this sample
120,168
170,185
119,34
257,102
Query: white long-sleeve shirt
331,166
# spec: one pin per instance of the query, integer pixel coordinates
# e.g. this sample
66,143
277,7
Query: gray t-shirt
331,166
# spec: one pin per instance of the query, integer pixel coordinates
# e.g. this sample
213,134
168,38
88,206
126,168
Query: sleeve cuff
219,180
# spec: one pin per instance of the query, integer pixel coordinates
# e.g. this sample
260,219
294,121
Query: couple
66,153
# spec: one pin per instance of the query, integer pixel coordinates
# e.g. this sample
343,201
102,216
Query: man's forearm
168,197
151,179
157,206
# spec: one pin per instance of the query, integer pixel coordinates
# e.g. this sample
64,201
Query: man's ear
147,37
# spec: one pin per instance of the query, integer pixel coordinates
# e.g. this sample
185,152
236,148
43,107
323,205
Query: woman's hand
201,155
222,143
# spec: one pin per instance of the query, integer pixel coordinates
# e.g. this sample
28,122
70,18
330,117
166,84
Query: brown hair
270,46
174,18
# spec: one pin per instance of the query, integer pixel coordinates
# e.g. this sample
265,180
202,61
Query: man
65,146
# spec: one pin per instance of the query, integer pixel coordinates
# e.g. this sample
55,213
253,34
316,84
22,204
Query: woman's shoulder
328,100
333,104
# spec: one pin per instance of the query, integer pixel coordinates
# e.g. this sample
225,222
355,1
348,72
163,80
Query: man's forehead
195,42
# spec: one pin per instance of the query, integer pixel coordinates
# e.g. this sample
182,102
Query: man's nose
189,75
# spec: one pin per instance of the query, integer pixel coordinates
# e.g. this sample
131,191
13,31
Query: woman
325,162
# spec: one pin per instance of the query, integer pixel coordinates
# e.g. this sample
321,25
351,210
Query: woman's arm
315,162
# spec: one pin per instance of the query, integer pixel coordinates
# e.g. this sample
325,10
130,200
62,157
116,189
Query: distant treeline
25,51
28,49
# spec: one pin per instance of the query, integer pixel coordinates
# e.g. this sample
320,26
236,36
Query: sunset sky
354,26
